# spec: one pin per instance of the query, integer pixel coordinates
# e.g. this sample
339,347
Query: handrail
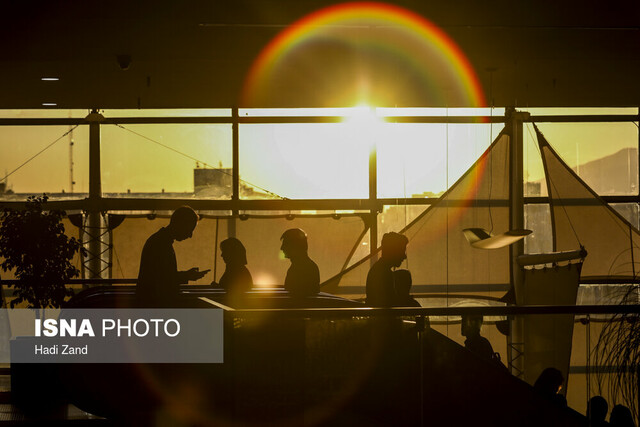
83,281
442,311
134,280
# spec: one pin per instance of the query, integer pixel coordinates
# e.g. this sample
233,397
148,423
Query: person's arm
194,273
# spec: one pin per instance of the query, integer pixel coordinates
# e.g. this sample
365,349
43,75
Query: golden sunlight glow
264,280
293,160
364,124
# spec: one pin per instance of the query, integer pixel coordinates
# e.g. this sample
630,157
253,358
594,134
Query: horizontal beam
245,120
154,204
606,118
509,310
140,204
583,201
587,118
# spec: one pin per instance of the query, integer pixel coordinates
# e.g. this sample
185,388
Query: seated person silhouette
476,343
159,279
597,409
621,416
236,279
549,383
303,277
381,291
402,281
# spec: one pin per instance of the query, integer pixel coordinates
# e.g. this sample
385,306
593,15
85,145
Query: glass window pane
396,217
44,159
442,112
604,155
629,211
173,160
562,111
535,184
423,160
537,218
44,114
217,112
303,161
295,112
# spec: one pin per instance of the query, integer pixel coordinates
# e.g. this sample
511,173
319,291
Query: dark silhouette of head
182,223
621,417
233,251
549,382
394,248
597,410
294,243
471,325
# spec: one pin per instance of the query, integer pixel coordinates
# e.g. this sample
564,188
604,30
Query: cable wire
38,153
199,161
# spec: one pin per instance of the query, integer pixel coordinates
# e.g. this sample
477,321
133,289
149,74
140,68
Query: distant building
427,195
533,189
212,182
218,183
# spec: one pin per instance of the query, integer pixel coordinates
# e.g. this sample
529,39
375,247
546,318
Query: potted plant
34,246
619,346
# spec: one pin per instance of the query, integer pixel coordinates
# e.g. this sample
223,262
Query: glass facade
315,170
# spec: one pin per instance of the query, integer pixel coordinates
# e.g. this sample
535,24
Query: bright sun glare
364,123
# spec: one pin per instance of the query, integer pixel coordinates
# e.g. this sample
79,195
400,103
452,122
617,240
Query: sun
363,125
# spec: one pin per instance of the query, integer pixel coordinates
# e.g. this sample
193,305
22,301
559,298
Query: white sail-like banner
438,255
581,217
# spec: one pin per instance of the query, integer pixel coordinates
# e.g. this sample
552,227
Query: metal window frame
97,203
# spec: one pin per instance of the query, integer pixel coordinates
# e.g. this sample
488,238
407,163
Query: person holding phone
159,279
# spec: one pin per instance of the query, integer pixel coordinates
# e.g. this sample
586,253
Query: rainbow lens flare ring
362,52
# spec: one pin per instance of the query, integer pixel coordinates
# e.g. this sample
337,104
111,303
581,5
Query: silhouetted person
381,291
597,409
549,383
159,279
621,417
236,279
470,327
303,277
402,281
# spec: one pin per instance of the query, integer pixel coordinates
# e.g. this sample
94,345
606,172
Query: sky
290,160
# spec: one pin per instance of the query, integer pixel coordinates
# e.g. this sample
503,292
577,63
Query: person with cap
159,279
303,276
381,291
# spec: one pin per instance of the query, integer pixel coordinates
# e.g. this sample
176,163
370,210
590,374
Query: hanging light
481,239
